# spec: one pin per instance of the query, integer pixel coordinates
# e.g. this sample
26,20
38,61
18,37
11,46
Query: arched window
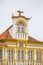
20,27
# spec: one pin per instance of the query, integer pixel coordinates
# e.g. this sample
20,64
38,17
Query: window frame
39,55
20,27
10,54
21,45
30,55
20,54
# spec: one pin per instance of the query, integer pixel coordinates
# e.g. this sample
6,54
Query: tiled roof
32,39
5,35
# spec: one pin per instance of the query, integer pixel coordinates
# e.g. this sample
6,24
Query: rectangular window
20,54
30,55
20,45
10,54
38,55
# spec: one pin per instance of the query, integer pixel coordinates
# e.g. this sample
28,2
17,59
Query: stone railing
21,35
20,62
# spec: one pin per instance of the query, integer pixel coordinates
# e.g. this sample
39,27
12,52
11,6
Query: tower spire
20,12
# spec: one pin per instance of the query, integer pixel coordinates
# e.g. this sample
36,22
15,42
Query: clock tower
19,29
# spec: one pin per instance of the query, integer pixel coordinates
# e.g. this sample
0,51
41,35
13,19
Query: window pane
22,54
18,29
19,54
11,54
22,29
20,45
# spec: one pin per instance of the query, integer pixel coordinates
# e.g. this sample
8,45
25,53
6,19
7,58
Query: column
26,57
3,56
15,57
35,57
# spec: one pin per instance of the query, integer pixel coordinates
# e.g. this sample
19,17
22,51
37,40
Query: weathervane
20,12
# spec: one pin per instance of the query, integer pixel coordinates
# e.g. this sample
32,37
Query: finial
20,12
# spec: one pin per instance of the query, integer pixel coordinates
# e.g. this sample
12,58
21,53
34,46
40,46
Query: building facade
16,47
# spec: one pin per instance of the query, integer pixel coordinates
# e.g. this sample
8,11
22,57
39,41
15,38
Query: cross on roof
20,12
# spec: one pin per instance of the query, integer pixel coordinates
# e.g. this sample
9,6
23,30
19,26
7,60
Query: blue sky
32,8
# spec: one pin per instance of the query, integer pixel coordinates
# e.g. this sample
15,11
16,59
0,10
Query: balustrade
20,62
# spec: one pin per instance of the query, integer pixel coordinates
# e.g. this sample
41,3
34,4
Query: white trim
34,47
12,45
